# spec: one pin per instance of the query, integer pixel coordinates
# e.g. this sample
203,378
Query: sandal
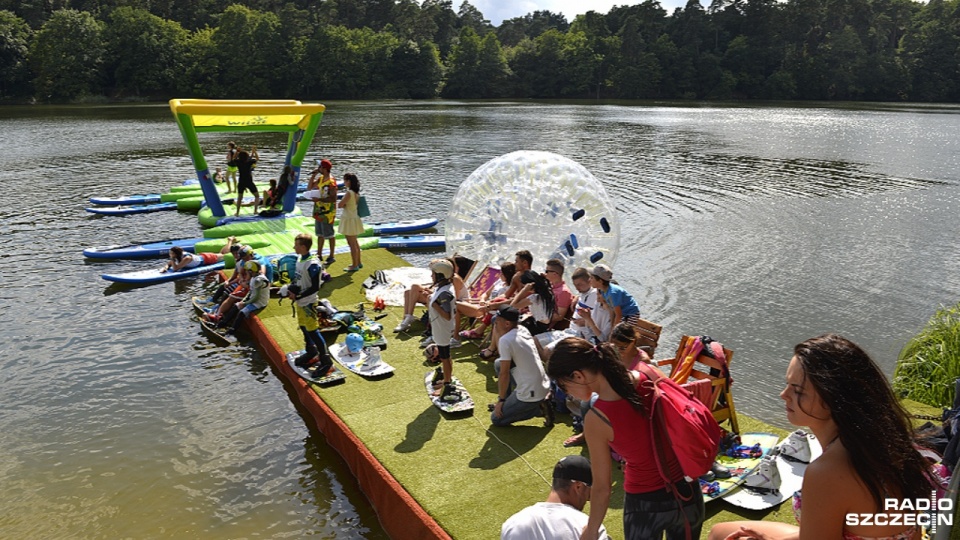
471,334
487,354
575,440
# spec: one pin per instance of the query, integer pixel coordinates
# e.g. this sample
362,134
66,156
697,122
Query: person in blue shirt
618,300
247,253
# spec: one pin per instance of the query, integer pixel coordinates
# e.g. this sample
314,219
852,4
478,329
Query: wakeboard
464,404
334,376
740,460
367,362
790,473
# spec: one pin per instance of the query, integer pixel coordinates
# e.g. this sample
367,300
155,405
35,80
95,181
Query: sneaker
546,411
765,478
796,447
454,343
426,341
404,324
330,260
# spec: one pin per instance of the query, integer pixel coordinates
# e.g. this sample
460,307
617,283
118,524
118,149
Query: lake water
758,225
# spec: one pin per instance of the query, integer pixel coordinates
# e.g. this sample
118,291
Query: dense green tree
251,53
202,69
415,70
468,16
464,79
15,35
144,53
67,54
443,22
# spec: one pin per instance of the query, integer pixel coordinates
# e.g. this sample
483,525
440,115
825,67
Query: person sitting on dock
478,308
589,322
420,294
561,516
562,296
247,253
622,304
522,384
303,291
523,260
180,260
245,164
257,297
230,284
324,207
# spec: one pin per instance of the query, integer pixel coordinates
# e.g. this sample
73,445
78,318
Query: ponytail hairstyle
575,354
625,332
542,288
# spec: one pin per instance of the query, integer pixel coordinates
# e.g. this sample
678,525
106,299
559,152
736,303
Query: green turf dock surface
466,474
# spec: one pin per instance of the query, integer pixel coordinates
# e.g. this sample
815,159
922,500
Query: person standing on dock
561,516
245,164
231,166
303,291
324,208
351,225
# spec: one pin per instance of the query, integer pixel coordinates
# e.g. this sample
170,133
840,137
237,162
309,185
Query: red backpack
680,423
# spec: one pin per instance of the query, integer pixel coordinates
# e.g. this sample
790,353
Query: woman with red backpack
658,497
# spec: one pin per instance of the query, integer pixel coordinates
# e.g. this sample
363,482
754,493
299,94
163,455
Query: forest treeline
75,50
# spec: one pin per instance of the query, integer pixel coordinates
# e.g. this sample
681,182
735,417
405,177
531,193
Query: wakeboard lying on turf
367,362
217,335
781,472
741,460
154,275
334,376
463,404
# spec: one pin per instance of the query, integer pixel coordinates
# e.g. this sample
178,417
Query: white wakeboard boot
766,477
797,447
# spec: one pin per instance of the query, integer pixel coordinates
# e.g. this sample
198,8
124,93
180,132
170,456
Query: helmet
432,353
252,266
354,343
442,267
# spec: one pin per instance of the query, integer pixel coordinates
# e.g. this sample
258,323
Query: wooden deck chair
649,334
720,401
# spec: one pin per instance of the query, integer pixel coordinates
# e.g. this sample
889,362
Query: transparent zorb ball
539,201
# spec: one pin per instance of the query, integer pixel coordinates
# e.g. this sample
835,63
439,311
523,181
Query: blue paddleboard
152,198
149,277
413,242
140,251
137,209
401,227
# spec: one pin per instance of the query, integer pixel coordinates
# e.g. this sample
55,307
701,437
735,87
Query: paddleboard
126,210
218,336
367,362
152,198
465,404
413,242
401,227
140,251
154,275
739,466
791,478
335,376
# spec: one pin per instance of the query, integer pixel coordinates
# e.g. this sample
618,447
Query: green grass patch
930,362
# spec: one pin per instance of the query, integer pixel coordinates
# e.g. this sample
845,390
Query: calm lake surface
760,226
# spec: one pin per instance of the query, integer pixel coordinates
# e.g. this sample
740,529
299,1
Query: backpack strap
590,407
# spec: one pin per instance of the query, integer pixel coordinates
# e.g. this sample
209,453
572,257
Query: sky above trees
497,11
